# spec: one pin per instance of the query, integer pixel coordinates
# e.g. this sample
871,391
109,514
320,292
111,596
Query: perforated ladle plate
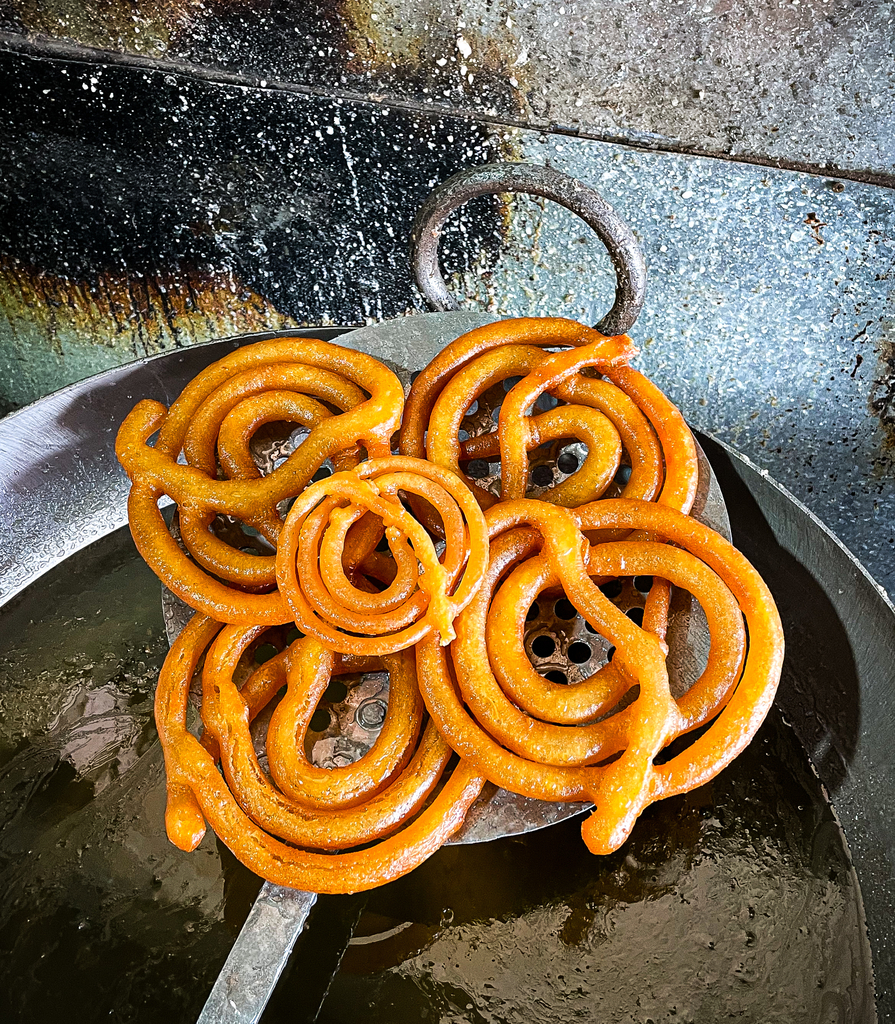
557,642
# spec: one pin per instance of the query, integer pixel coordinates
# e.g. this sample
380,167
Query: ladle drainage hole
543,646
320,720
567,462
564,609
555,676
579,652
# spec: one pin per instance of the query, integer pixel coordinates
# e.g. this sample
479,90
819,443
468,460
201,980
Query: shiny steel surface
258,956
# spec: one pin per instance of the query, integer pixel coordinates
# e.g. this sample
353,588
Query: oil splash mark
60,329
472,59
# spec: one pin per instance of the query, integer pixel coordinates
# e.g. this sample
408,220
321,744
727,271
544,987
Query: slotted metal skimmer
559,643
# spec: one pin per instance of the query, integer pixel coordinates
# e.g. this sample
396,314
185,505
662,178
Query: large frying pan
61,490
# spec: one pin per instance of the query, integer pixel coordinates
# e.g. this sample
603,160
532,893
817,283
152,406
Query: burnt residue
815,225
469,61
111,168
55,328
110,24
408,52
140,313
290,41
11,19
126,196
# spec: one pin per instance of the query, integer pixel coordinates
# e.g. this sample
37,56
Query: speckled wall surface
170,173
144,211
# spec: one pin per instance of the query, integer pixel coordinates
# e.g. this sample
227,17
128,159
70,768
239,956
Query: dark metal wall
810,84
173,172
144,210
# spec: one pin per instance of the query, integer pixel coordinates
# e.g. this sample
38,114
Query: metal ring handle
531,179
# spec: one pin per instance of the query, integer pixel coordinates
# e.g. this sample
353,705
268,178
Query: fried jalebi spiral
278,835
404,564
623,412
347,400
310,558
496,713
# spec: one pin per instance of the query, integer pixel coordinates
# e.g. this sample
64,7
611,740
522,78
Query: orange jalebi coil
213,420
507,738
310,570
269,830
446,622
623,412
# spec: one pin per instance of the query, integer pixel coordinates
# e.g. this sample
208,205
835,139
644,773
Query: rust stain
122,25
882,394
59,329
812,222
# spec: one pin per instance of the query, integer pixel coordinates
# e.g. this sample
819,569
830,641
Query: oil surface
735,902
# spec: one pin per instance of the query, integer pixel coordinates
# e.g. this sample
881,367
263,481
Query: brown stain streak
881,401
122,25
131,315
815,225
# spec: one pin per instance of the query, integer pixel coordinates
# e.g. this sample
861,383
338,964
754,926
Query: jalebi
624,411
247,811
220,410
514,750
353,621
391,565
